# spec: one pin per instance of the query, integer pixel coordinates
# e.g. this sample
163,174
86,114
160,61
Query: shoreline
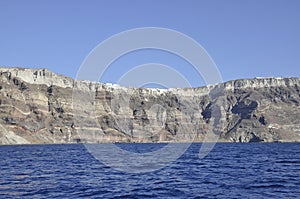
223,142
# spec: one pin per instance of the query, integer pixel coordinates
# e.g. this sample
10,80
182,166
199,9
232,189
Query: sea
230,170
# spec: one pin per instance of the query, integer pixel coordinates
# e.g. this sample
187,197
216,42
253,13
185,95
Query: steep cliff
39,106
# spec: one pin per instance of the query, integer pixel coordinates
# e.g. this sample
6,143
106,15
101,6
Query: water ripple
231,170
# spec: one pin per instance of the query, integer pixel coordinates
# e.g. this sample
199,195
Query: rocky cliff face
38,106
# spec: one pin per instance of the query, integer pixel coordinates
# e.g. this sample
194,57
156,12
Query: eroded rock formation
39,106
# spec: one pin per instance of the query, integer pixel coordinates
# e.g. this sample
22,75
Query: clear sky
245,38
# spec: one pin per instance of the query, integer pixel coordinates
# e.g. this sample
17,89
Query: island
41,107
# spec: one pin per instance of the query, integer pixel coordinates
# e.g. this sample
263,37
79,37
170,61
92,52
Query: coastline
39,106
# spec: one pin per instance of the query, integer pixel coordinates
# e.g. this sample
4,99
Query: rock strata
39,106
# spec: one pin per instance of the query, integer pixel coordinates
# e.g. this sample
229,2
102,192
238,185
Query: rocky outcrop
39,106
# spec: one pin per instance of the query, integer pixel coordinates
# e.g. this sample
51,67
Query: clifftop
39,76
47,77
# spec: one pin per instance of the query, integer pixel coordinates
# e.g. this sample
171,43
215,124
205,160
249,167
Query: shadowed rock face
38,106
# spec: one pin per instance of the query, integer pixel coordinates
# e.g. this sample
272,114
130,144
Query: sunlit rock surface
39,106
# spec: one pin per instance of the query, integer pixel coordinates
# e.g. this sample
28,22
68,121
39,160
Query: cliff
39,106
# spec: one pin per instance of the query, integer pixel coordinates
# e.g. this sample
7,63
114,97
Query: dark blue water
231,170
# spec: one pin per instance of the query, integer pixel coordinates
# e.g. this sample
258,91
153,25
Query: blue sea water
230,170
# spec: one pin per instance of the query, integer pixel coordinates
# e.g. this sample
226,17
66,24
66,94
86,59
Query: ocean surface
230,170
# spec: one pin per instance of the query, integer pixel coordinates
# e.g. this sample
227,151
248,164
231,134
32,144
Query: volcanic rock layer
39,106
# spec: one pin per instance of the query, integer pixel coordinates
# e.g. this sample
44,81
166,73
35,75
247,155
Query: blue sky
245,38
